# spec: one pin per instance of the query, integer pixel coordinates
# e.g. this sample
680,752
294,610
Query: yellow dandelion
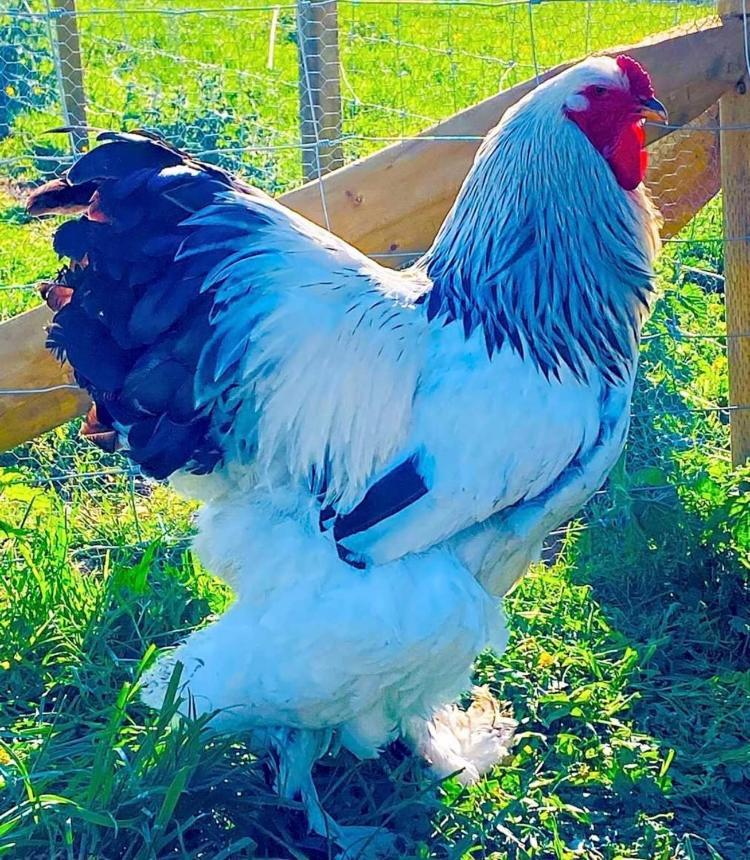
545,659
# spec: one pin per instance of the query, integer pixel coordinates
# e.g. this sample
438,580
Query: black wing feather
394,492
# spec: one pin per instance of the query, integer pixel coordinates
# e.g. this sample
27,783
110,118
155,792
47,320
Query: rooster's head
609,100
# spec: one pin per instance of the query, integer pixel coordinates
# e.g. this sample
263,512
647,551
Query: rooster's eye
599,91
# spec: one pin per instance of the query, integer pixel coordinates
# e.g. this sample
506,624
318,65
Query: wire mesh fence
231,82
285,92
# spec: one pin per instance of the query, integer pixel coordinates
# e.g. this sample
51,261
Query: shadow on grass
668,575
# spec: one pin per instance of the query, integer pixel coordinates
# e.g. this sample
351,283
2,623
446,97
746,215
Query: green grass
629,662
26,255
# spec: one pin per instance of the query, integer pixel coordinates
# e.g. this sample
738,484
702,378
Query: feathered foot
465,743
297,751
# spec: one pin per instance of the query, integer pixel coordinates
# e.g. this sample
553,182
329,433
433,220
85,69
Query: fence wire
284,92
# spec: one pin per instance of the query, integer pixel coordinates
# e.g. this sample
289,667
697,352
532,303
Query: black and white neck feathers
543,251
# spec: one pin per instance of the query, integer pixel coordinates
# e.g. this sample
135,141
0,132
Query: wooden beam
734,109
684,170
26,364
368,207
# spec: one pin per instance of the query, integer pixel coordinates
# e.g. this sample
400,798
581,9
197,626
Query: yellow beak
654,111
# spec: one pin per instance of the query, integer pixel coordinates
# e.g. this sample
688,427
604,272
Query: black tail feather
129,317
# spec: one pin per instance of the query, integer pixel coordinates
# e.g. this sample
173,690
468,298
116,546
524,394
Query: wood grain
25,363
684,173
319,87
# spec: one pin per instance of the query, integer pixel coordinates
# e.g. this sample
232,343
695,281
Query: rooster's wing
216,329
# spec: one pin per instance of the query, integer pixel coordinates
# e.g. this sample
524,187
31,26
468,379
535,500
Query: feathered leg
298,750
465,743
292,751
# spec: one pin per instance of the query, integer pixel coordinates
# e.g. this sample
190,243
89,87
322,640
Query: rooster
379,454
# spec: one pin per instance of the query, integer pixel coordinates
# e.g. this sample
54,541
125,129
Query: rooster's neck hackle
544,252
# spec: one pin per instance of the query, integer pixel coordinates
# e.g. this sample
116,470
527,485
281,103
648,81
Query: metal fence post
319,87
734,110
68,52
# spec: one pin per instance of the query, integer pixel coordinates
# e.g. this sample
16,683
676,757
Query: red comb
638,77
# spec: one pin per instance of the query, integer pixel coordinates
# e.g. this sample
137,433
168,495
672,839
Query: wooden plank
71,72
734,109
319,87
368,207
26,364
684,173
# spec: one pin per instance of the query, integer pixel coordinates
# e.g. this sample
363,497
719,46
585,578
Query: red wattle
629,159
